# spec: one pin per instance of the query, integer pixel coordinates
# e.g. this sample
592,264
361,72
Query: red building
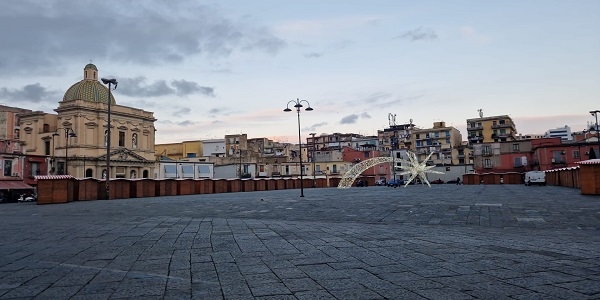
379,171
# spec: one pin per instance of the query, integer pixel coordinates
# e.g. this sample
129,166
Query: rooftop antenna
480,112
392,119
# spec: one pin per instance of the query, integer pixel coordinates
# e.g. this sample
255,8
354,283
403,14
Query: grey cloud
365,115
186,123
181,111
184,87
419,34
137,87
314,127
34,93
313,55
351,119
53,33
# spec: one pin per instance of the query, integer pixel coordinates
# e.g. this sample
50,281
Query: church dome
89,89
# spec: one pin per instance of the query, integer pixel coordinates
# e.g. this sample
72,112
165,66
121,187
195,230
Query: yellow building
177,151
491,129
75,138
441,139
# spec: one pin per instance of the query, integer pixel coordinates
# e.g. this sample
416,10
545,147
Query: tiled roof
53,177
595,161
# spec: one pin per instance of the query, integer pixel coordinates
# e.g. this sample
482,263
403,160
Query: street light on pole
298,104
109,82
313,159
68,133
595,114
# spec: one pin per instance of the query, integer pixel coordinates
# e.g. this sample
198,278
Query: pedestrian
457,180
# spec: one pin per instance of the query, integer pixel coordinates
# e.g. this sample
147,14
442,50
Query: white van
535,177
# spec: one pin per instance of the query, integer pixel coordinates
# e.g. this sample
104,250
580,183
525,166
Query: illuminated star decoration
418,169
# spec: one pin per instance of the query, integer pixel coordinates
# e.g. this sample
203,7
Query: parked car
395,182
438,181
453,181
380,182
361,183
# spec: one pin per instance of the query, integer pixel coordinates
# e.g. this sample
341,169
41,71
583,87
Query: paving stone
448,241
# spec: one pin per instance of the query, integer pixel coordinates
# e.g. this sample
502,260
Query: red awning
14,185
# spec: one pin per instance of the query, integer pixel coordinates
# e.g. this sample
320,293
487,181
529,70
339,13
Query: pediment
124,155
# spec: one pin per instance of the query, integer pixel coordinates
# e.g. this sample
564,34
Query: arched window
89,173
145,174
134,141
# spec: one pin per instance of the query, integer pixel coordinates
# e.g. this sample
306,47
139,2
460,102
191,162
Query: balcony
478,127
502,126
487,153
476,138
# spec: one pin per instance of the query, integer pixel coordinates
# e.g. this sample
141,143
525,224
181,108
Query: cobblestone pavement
443,242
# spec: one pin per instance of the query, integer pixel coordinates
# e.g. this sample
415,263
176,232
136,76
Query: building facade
442,140
75,138
491,129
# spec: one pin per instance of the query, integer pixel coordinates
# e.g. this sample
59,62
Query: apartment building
331,141
440,139
491,129
564,133
396,137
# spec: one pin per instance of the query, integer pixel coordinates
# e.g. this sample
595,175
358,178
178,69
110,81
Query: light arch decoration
357,169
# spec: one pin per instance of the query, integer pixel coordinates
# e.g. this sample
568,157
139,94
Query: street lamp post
298,104
68,133
595,114
109,82
53,159
313,159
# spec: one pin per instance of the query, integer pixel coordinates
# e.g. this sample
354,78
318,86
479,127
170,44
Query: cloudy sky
210,68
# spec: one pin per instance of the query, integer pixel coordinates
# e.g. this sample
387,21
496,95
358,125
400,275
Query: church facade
74,140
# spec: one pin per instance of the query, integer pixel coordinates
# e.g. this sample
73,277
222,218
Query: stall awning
14,185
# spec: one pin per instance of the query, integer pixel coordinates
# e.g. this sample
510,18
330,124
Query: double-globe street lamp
68,133
595,114
112,85
298,104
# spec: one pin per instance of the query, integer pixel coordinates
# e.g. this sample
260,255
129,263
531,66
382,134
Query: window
121,139
447,133
89,173
485,150
418,143
418,136
487,163
7,167
448,141
170,171
206,169
47,147
515,147
366,154
335,169
190,155
145,174
187,171
437,134
35,169
517,161
576,154
557,157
